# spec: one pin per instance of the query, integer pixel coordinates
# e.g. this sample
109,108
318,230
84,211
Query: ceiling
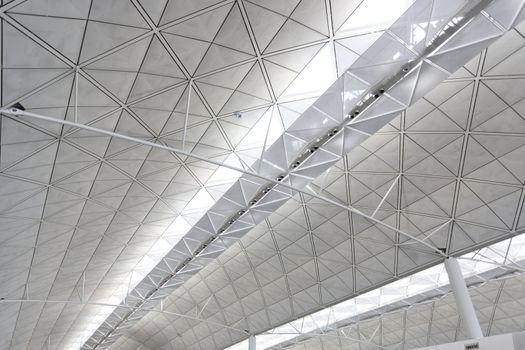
430,319
308,255
497,262
86,217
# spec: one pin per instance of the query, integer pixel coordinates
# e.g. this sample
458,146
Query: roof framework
431,322
497,262
266,272
87,216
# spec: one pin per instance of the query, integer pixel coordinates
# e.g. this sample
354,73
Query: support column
251,343
463,301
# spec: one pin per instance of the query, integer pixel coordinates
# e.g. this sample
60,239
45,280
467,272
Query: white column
463,301
251,343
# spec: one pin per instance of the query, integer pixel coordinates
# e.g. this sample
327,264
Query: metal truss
500,273
396,71
271,182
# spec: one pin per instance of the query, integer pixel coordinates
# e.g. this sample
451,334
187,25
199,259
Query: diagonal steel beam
364,102
19,113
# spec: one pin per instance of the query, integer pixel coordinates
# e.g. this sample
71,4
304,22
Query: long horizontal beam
21,113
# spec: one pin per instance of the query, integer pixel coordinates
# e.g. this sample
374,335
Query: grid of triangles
384,57
77,205
415,324
439,155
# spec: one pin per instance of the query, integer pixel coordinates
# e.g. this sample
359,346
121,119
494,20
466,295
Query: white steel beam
463,301
252,344
20,113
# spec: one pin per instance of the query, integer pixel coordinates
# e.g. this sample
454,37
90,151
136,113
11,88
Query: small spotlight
18,106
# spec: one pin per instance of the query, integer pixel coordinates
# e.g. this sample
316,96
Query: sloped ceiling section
83,215
430,319
451,183
502,260
417,58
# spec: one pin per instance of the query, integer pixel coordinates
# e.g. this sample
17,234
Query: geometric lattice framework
282,267
83,215
425,298
431,322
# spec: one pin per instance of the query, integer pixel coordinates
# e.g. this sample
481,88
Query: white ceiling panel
89,220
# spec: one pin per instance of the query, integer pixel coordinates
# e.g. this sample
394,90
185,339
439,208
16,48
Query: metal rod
83,285
261,158
76,94
204,306
252,343
19,113
463,301
186,117
386,195
436,230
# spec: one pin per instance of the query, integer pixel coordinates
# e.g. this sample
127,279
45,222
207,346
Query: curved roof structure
181,174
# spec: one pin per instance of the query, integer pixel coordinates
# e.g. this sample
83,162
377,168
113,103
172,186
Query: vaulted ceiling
86,218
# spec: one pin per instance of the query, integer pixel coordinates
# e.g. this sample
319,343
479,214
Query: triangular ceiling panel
59,8
20,141
189,51
155,111
127,59
284,8
219,57
92,103
265,23
101,37
67,42
202,27
291,34
158,62
37,166
120,12
154,8
233,33
118,83
303,14
69,160
178,9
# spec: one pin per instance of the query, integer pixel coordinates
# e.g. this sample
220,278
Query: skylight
505,253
